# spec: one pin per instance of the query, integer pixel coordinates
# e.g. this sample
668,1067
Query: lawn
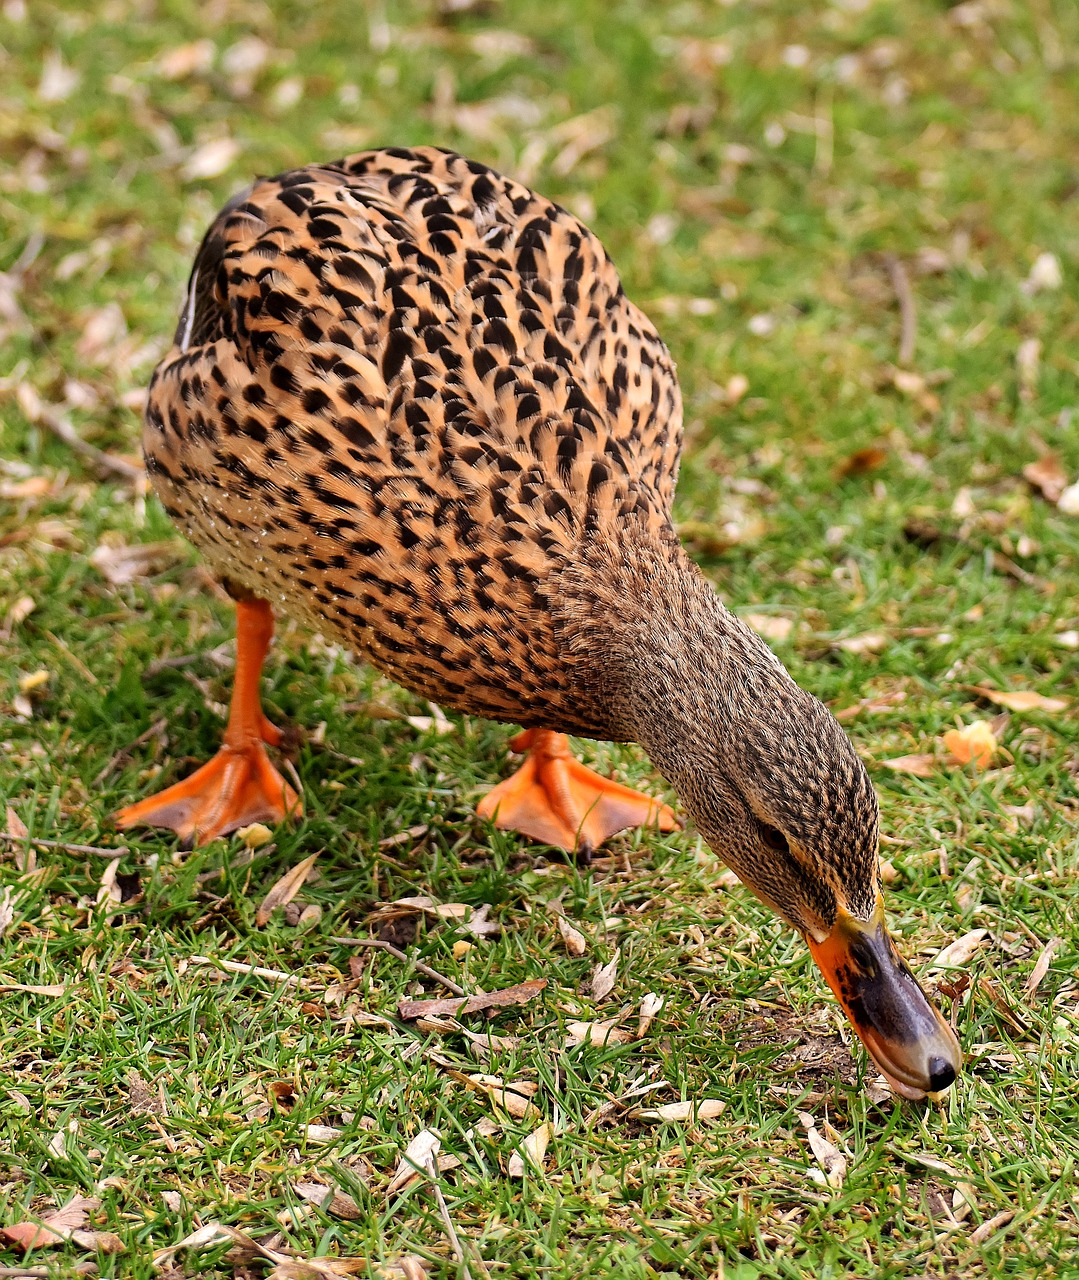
857,226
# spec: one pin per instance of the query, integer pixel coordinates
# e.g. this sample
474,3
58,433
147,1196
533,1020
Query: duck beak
905,1035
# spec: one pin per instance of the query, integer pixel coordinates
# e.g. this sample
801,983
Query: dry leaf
423,1148
602,983
209,1234
706,1109
981,1234
650,1006
1045,273
829,1157
1041,967
15,825
55,1228
921,766
514,1098
457,1006
53,990
597,1033
329,1199
573,940
862,461
972,744
532,1151
870,642
320,1135
1020,699
1047,476
284,890
769,626
211,159
958,953
193,59
120,564
98,1241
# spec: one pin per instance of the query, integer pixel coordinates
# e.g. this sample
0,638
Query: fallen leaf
329,1199
829,1157
514,1097
1069,501
651,1004
572,939
597,1033
862,461
193,59
706,1109
531,1151
870,642
120,564
1041,967
1045,273
210,160
958,953
15,825
320,1135
1047,476
1020,699
98,1241
981,1234
972,744
461,948
769,626
55,1228
457,1006
921,766
284,890
602,983
423,1148
209,1234
53,990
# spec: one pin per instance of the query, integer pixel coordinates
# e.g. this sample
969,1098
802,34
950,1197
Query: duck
410,405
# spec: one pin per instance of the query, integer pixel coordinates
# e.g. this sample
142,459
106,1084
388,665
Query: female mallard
409,403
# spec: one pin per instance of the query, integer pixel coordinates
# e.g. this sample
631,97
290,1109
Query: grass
751,167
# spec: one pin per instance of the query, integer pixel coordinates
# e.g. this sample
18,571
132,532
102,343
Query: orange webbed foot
237,787
557,800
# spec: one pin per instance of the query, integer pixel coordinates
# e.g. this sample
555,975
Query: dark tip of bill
941,1074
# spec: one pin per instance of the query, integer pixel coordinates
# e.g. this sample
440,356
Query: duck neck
675,670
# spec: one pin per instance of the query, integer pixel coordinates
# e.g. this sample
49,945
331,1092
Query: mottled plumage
404,389
410,403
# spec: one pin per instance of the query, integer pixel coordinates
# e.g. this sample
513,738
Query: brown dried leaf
829,1157
514,1097
574,941
1047,476
457,1007
1020,699
706,1109
98,1241
1041,967
329,1199
415,1160
862,461
769,625
597,1033
532,1151
53,1229
651,1004
15,825
921,766
284,890
121,564
958,953
51,990
602,983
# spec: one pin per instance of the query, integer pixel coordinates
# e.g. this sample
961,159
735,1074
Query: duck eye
774,839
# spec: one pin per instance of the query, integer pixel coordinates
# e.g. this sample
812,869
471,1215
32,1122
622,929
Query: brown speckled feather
405,390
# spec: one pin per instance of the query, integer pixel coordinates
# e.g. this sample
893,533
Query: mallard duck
410,404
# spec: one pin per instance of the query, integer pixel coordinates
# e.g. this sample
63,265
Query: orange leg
239,785
555,799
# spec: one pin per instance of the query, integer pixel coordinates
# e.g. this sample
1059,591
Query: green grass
744,160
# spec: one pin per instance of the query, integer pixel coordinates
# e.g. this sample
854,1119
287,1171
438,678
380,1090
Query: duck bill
905,1035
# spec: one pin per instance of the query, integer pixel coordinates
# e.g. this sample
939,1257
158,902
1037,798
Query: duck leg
239,785
556,799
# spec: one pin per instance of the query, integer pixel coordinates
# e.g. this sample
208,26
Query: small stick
154,668
444,1213
118,852
234,966
908,314
58,424
425,969
125,752
73,658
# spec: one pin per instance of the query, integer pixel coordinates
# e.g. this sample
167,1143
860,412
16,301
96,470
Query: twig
237,864
908,313
234,966
118,852
125,752
444,1213
73,658
425,969
56,422
154,668
32,1273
